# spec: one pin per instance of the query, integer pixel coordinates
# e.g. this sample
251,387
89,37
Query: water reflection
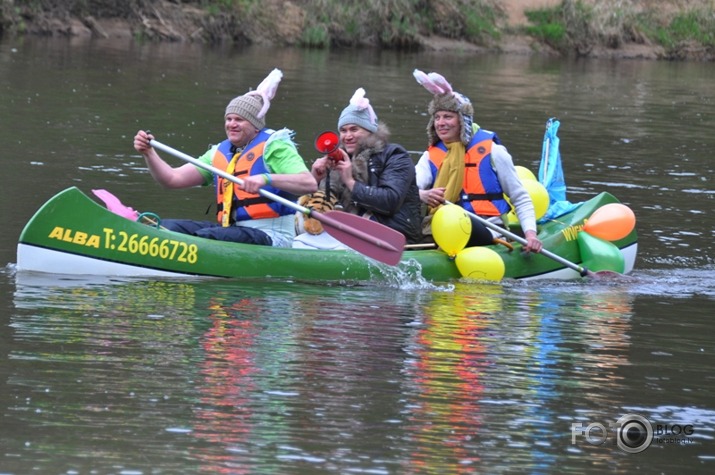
219,377
494,370
241,385
90,363
450,354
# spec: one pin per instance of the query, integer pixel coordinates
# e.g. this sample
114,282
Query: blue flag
551,175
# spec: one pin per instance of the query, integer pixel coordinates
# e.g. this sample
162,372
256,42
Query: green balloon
598,254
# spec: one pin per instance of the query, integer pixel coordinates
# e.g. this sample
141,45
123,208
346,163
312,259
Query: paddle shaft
571,265
228,176
337,223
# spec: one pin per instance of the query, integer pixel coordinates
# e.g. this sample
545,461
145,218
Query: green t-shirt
280,155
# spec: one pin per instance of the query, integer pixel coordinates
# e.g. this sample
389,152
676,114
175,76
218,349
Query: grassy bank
576,27
399,23
679,29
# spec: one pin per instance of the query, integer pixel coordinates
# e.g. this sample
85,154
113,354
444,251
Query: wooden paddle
583,272
368,237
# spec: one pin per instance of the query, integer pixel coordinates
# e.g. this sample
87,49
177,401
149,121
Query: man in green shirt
260,157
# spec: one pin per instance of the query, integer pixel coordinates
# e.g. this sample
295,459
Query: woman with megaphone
367,175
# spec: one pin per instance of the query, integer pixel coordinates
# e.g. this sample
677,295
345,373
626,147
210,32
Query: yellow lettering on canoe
57,233
571,232
78,237
93,241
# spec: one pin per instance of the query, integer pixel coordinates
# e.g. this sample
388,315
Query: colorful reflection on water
217,377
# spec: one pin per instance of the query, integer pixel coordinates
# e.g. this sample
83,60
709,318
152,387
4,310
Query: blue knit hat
359,112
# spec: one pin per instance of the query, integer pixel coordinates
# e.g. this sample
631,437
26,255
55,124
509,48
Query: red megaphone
328,143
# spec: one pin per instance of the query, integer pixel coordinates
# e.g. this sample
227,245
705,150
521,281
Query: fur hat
446,99
253,105
359,112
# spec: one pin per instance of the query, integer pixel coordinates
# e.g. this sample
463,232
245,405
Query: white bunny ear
269,86
358,98
267,90
427,81
441,82
420,76
361,102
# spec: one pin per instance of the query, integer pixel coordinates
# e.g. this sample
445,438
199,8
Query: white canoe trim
37,259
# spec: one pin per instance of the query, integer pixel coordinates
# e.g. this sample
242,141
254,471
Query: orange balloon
611,222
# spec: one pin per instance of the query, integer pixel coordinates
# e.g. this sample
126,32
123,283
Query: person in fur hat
260,156
467,165
375,178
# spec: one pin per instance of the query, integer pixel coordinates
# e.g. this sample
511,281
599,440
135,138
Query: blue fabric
551,174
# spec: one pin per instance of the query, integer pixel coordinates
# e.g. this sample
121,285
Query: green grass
576,26
694,26
548,25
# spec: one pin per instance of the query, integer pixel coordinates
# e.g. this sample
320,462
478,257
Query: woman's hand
432,197
532,242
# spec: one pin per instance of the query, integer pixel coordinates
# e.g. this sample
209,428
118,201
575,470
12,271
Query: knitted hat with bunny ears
253,105
359,112
446,99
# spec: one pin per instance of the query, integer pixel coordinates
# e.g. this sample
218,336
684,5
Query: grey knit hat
254,105
248,106
359,112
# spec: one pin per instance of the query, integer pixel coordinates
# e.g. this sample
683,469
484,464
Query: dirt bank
167,20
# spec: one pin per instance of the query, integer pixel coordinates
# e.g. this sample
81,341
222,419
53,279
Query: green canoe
74,234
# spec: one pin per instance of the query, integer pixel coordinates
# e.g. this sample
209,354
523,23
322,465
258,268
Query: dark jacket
385,187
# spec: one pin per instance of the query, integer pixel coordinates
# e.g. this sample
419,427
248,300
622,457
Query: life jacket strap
482,196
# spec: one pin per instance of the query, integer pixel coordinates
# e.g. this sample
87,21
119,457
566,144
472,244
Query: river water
138,377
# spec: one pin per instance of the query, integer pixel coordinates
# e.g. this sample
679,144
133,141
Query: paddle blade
371,238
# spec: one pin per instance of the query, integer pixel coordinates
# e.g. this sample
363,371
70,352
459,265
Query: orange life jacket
245,205
481,192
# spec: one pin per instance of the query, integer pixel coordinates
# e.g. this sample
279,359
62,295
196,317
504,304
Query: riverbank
618,29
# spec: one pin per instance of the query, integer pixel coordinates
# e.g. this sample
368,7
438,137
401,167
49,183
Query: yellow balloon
480,263
524,173
539,196
451,228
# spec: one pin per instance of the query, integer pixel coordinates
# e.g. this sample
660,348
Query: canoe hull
73,234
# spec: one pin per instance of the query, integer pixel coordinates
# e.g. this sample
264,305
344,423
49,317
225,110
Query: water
131,376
